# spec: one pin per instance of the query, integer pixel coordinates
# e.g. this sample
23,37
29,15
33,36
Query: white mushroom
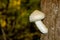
37,17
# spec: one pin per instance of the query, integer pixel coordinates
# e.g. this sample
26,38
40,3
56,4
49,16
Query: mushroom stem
41,26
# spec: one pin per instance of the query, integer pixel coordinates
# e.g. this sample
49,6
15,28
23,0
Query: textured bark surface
52,10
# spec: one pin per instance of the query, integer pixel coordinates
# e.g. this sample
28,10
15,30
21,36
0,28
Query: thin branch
4,36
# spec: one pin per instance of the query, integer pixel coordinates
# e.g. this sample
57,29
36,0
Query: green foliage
17,25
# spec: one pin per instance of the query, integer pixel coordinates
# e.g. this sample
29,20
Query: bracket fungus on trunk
37,17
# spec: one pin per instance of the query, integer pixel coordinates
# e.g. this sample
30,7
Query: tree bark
52,20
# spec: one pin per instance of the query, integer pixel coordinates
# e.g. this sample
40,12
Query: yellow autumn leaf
15,3
3,23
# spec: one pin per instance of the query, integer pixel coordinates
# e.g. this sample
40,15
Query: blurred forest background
14,20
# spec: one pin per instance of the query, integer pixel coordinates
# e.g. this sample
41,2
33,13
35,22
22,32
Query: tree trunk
52,20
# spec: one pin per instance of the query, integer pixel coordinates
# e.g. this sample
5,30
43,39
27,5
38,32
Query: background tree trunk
52,10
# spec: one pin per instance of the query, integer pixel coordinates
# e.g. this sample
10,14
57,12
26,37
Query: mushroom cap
36,16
